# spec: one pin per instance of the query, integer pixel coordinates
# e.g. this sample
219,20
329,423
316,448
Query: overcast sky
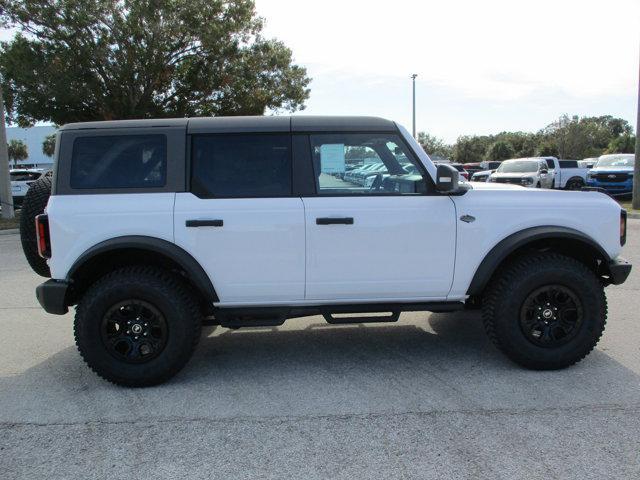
483,66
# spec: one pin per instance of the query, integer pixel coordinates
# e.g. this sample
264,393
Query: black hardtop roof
258,124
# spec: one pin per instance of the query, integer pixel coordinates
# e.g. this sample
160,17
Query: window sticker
332,158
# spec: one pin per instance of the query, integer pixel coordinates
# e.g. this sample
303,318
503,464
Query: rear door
394,240
240,219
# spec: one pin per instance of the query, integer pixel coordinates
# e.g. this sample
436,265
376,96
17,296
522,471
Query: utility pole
635,203
5,180
413,78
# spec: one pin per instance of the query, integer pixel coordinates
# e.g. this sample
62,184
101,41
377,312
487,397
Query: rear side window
119,161
568,164
251,165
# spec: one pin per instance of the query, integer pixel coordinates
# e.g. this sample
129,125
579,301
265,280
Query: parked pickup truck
567,174
527,172
614,173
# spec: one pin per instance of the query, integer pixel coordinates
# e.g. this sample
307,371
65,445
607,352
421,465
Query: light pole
413,78
5,180
635,201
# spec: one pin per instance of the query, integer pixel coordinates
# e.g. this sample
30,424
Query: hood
497,186
514,175
608,169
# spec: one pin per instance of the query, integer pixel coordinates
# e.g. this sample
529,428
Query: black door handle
334,221
203,223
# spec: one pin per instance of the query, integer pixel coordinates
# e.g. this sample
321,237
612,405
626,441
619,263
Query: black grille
611,177
508,180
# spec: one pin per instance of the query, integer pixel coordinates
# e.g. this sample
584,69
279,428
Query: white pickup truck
567,174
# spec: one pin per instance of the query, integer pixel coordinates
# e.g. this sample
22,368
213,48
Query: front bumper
613,188
619,270
51,295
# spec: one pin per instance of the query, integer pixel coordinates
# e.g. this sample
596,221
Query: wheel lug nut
135,338
145,334
128,332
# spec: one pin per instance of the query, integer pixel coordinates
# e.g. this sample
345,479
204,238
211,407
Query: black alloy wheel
551,316
134,331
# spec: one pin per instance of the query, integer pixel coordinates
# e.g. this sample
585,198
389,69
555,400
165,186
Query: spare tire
33,205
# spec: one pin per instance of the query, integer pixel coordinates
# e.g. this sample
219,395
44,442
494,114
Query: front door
385,236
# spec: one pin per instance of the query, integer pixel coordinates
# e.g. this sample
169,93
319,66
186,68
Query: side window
568,164
119,161
364,164
251,165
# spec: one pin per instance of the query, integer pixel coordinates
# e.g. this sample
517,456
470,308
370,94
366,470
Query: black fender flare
190,265
513,242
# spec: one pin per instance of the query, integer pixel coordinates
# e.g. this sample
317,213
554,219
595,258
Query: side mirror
544,170
447,178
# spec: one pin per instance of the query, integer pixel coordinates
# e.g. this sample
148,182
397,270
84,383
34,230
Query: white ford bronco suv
153,227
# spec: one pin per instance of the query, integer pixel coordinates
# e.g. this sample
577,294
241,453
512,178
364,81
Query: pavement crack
594,408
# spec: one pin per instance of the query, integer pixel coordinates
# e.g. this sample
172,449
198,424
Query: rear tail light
42,235
623,227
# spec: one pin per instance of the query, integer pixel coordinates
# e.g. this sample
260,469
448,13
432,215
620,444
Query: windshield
518,166
615,161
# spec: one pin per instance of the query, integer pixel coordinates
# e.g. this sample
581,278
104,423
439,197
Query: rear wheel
574,184
545,311
137,326
33,205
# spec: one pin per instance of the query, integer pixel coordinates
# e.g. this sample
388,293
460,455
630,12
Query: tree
79,60
576,137
500,150
625,143
17,151
470,148
547,149
49,145
434,145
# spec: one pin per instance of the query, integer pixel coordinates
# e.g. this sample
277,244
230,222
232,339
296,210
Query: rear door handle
204,223
334,221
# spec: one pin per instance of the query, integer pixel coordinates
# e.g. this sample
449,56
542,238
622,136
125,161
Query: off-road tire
159,288
574,184
33,205
505,296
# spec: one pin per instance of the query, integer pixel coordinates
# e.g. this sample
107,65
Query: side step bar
276,316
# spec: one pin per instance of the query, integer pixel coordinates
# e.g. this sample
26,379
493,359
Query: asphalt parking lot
426,398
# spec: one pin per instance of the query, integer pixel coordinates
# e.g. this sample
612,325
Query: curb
633,214
13,231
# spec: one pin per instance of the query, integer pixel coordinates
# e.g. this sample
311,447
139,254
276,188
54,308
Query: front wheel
545,311
137,326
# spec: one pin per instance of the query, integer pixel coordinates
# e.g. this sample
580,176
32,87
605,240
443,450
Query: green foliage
434,145
470,148
625,143
547,149
576,137
500,150
567,137
49,145
79,60
17,150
